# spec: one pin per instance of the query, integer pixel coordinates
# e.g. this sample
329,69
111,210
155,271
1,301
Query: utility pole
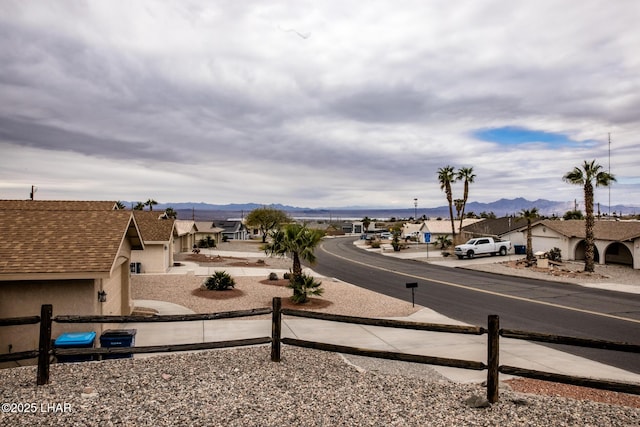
33,191
609,174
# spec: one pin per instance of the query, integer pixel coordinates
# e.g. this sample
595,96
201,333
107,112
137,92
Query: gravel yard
242,387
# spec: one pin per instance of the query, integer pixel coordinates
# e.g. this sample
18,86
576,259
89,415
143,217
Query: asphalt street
471,296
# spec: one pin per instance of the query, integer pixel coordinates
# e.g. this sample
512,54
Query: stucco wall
24,298
154,258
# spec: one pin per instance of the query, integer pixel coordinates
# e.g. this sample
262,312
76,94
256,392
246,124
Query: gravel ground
242,387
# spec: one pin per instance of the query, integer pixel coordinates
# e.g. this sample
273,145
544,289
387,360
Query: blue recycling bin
118,338
75,340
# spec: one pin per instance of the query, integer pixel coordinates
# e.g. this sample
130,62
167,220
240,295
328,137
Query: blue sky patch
513,135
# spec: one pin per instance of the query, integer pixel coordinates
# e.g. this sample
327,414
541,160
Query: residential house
233,230
616,242
157,232
185,235
506,228
432,229
75,260
206,229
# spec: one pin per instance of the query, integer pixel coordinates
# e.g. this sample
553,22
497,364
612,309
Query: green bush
220,281
303,286
555,254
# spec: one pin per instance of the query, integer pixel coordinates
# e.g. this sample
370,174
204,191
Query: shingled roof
154,226
58,205
495,227
66,242
618,231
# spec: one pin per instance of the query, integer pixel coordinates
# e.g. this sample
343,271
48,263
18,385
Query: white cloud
312,104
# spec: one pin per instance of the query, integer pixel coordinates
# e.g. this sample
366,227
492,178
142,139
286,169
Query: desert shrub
219,281
273,276
555,254
286,276
375,244
303,286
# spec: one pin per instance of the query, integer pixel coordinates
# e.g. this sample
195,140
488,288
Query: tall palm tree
529,215
151,203
585,176
446,177
466,175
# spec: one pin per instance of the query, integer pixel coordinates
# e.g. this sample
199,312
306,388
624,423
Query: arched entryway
580,250
618,253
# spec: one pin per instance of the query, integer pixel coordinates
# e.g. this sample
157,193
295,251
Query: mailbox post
413,287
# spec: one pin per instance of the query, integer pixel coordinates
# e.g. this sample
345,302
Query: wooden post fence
276,329
44,345
493,358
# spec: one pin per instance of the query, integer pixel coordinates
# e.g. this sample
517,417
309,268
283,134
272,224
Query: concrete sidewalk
469,347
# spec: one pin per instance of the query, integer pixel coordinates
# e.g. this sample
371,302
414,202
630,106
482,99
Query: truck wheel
460,257
503,251
470,254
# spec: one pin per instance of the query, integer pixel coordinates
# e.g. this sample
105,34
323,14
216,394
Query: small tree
266,219
220,281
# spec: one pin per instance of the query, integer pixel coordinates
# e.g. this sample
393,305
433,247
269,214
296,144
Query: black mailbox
412,285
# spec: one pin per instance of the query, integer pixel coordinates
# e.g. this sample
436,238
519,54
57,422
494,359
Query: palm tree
529,215
295,240
171,213
446,177
589,173
151,203
139,206
443,241
366,222
298,241
466,175
120,205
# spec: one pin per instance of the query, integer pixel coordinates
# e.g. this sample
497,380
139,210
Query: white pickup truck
483,246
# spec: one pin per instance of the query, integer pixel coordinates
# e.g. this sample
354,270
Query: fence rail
493,331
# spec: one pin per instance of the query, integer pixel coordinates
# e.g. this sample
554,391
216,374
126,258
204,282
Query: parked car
483,246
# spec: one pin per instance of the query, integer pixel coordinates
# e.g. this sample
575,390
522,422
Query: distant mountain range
502,207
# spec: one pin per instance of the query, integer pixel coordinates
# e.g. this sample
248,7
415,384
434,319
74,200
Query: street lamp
415,209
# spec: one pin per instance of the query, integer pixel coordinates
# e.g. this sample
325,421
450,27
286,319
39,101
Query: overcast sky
316,103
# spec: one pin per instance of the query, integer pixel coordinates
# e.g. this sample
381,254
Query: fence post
44,345
276,329
493,358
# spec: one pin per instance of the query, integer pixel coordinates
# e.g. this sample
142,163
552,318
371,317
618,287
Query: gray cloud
363,111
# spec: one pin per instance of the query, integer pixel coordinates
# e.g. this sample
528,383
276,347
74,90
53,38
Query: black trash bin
118,338
520,249
75,340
